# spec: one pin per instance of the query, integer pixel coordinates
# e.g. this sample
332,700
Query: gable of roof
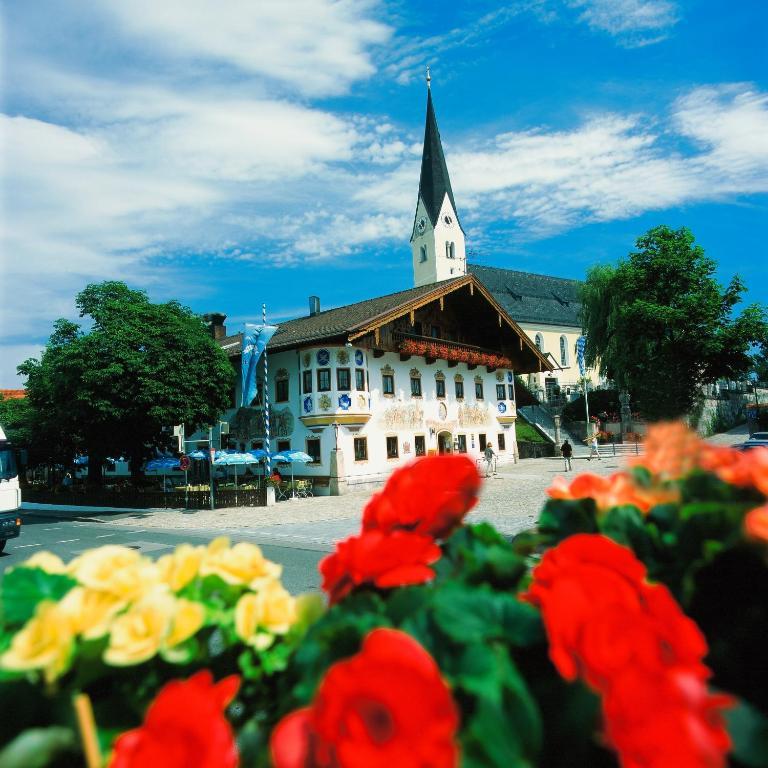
336,322
531,298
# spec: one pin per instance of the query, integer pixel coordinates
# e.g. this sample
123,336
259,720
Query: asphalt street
67,538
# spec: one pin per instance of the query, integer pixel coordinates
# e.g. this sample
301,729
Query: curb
68,510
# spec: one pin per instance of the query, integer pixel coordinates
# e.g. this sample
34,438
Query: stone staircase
539,417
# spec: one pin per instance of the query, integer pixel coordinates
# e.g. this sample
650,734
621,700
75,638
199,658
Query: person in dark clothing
567,450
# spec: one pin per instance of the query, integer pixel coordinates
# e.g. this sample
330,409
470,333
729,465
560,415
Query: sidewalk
510,500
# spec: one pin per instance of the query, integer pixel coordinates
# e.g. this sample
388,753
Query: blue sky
232,153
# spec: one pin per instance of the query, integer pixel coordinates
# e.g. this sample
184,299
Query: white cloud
314,47
609,167
633,22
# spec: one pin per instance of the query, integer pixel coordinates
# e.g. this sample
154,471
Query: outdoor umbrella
153,465
234,459
291,457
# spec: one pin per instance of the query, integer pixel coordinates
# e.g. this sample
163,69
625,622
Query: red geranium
185,725
605,623
386,707
429,496
381,559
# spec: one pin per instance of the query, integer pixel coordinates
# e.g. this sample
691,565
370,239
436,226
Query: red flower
381,559
429,496
386,707
605,623
756,524
185,725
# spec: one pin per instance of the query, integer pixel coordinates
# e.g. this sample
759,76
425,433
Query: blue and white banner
255,340
581,342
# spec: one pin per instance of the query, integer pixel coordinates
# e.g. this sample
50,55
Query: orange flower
744,468
612,491
672,450
756,524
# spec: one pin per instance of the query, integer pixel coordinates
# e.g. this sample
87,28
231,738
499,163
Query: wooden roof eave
451,286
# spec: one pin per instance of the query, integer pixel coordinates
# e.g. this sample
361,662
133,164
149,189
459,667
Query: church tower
437,240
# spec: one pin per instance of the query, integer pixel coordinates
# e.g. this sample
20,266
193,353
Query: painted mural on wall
473,415
248,423
409,416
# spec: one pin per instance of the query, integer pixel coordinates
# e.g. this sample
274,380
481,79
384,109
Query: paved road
68,538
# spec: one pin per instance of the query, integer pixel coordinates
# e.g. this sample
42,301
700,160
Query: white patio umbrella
234,459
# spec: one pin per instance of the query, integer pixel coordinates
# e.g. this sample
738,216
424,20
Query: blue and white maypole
266,396
255,340
581,343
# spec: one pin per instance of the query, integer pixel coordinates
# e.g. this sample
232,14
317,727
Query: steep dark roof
339,321
530,298
434,181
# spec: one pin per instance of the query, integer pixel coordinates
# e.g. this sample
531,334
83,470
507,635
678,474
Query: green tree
138,367
660,325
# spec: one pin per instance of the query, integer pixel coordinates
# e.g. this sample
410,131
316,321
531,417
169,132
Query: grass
527,434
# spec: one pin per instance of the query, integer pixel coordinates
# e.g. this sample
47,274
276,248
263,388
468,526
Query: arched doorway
444,442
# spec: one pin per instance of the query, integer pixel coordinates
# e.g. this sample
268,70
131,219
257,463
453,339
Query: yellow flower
243,564
138,634
120,571
90,611
47,561
187,619
260,616
44,643
180,567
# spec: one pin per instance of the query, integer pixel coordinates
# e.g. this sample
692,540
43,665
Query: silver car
756,440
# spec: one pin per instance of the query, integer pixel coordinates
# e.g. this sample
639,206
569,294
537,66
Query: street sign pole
210,471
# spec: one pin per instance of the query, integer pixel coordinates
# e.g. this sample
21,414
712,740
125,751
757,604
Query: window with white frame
539,341
563,351
423,253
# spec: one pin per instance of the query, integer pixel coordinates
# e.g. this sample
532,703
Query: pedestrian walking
489,456
594,450
566,449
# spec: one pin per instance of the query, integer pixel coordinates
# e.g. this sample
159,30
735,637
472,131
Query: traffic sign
184,463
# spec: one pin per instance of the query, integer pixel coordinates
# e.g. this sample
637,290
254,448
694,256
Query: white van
10,494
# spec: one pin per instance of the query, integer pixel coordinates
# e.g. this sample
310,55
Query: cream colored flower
45,643
47,561
90,611
120,571
243,564
181,567
138,634
260,616
188,617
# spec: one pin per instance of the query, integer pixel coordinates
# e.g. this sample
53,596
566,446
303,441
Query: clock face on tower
421,226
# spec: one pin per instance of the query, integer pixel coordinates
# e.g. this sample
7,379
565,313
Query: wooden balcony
451,351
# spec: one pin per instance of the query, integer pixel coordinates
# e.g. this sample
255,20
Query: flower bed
627,629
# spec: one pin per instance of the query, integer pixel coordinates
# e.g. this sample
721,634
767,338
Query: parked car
757,439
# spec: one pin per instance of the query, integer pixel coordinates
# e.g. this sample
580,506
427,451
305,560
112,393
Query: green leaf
627,526
494,740
474,614
749,730
561,518
39,747
23,588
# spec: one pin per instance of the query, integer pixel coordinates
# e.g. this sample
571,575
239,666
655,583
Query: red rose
386,707
381,559
185,725
631,642
429,496
665,719
601,615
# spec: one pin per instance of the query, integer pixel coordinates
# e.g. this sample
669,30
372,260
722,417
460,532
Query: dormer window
423,253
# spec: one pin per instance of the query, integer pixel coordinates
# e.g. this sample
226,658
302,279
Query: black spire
434,182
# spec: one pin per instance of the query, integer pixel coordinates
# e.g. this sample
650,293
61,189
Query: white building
366,387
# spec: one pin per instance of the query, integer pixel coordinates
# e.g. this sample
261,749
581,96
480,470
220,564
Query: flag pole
266,397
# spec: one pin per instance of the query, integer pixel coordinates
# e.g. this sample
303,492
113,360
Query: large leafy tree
139,366
660,325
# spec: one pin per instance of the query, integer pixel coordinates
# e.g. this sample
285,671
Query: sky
229,153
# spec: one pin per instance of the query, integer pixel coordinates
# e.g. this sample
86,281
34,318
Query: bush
600,401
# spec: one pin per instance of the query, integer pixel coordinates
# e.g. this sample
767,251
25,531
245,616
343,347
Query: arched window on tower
450,250
563,351
539,342
423,253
